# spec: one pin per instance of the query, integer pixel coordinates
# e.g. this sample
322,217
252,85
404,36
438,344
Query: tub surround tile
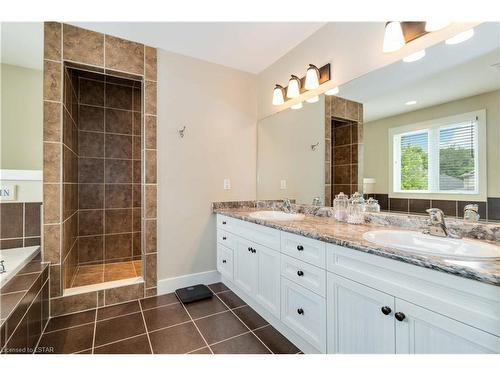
319,225
83,46
124,55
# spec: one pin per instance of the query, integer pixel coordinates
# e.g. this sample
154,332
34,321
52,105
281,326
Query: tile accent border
87,49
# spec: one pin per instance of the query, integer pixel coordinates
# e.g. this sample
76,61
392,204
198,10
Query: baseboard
171,284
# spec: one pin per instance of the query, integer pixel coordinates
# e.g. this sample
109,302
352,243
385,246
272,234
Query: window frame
394,175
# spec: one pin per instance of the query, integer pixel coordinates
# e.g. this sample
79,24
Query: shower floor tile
99,273
164,325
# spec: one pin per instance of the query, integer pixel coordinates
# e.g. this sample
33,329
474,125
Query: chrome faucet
471,214
2,267
437,226
287,205
316,201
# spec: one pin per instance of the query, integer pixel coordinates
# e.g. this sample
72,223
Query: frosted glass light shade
293,90
278,98
314,99
431,26
393,37
297,106
333,91
461,37
312,78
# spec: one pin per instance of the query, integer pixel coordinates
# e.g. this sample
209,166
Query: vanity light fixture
414,56
411,102
461,37
293,90
312,77
278,97
435,25
393,37
297,106
314,99
333,91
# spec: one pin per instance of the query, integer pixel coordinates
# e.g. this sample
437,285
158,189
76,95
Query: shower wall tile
136,100
118,195
118,246
51,162
90,222
70,304
90,144
118,171
150,236
150,270
150,132
150,68
52,242
150,97
91,118
52,41
150,203
119,121
90,249
83,46
52,121
91,196
137,123
52,203
150,166
137,170
118,96
124,55
90,170
136,219
118,146
91,92
118,221
123,294
52,80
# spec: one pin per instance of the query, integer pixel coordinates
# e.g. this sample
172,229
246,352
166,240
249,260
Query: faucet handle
436,215
471,207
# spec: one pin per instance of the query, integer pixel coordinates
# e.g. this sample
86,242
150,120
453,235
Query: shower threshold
102,286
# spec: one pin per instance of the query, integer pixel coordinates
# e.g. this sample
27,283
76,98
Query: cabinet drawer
303,248
225,222
304,312
225,238
225,261
310,277
259,234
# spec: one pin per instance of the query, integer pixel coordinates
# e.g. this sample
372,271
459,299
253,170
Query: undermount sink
425,244
276,215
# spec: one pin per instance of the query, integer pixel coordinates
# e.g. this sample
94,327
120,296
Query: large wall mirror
414,135
21,129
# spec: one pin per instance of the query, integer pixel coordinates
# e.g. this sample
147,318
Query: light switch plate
227,184
283,184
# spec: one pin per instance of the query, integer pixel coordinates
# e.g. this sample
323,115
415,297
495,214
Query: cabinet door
425,332
268,283
245,266
355,320
225,261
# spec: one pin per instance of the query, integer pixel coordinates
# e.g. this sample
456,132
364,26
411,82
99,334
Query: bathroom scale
193,293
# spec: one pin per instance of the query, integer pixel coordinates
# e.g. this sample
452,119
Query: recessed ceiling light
297,106
333,91
314,99
414,56
461,37
411,102
435,25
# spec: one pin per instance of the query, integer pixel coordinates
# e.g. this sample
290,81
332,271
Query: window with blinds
440,157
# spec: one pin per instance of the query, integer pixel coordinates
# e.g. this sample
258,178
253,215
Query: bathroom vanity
330,291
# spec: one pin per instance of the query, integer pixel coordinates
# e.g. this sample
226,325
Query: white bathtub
15,259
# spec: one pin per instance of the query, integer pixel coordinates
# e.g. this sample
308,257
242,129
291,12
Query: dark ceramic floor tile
135,345
119,328
218,287
244,344
67,341
206,307
175,340
231,299
205,350
165,316
219,327
275,341
71,320
250,317
117,310
157,301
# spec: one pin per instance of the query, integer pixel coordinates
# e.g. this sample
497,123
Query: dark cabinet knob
223,223
300,311
223,261
250,249
386,310
300,273
300,247
400,316
254,251
224,238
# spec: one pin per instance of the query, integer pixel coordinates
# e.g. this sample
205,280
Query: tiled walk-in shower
102,174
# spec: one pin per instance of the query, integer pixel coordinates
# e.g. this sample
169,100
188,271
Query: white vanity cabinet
330,299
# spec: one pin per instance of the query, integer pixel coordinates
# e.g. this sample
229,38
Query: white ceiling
250,47
22,44
446,73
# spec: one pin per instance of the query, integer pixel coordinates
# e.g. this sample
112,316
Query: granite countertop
329,230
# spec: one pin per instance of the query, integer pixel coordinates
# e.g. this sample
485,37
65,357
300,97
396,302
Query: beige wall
218,107
284,152
333,44
21,128
376,136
